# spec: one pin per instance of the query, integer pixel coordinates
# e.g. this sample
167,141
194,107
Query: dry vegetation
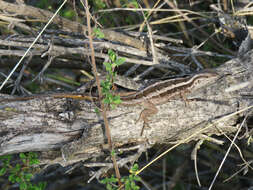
158,39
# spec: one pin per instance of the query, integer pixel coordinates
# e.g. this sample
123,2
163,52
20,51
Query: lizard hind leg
149,110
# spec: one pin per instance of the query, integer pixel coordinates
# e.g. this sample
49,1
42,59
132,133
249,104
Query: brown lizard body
161,92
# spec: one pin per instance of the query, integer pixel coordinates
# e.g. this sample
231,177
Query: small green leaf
22,155
69,14
106,86
104,181
24,161
112,55
135,4
113,152
32,155
6,159
127,185
99,4
132,184
106,101
12,178
109,187
117,100
137,178
98,33
120,61
22,186
2,171
113,179
31,186
17,168
102,83
134,168
28,177
97,111
34,161
18,179
108,66
136,187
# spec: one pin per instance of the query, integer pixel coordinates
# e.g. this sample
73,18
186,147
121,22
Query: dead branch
45,124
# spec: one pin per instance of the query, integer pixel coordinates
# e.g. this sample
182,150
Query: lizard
163,91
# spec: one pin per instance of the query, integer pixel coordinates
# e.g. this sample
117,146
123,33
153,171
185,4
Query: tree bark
47,124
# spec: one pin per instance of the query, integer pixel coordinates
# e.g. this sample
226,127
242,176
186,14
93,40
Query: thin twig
103,108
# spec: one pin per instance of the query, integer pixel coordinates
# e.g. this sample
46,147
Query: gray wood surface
48,124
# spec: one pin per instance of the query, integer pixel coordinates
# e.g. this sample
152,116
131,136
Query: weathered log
49,124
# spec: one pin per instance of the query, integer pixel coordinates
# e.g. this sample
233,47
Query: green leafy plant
110,182
21,173
107,85
129,182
